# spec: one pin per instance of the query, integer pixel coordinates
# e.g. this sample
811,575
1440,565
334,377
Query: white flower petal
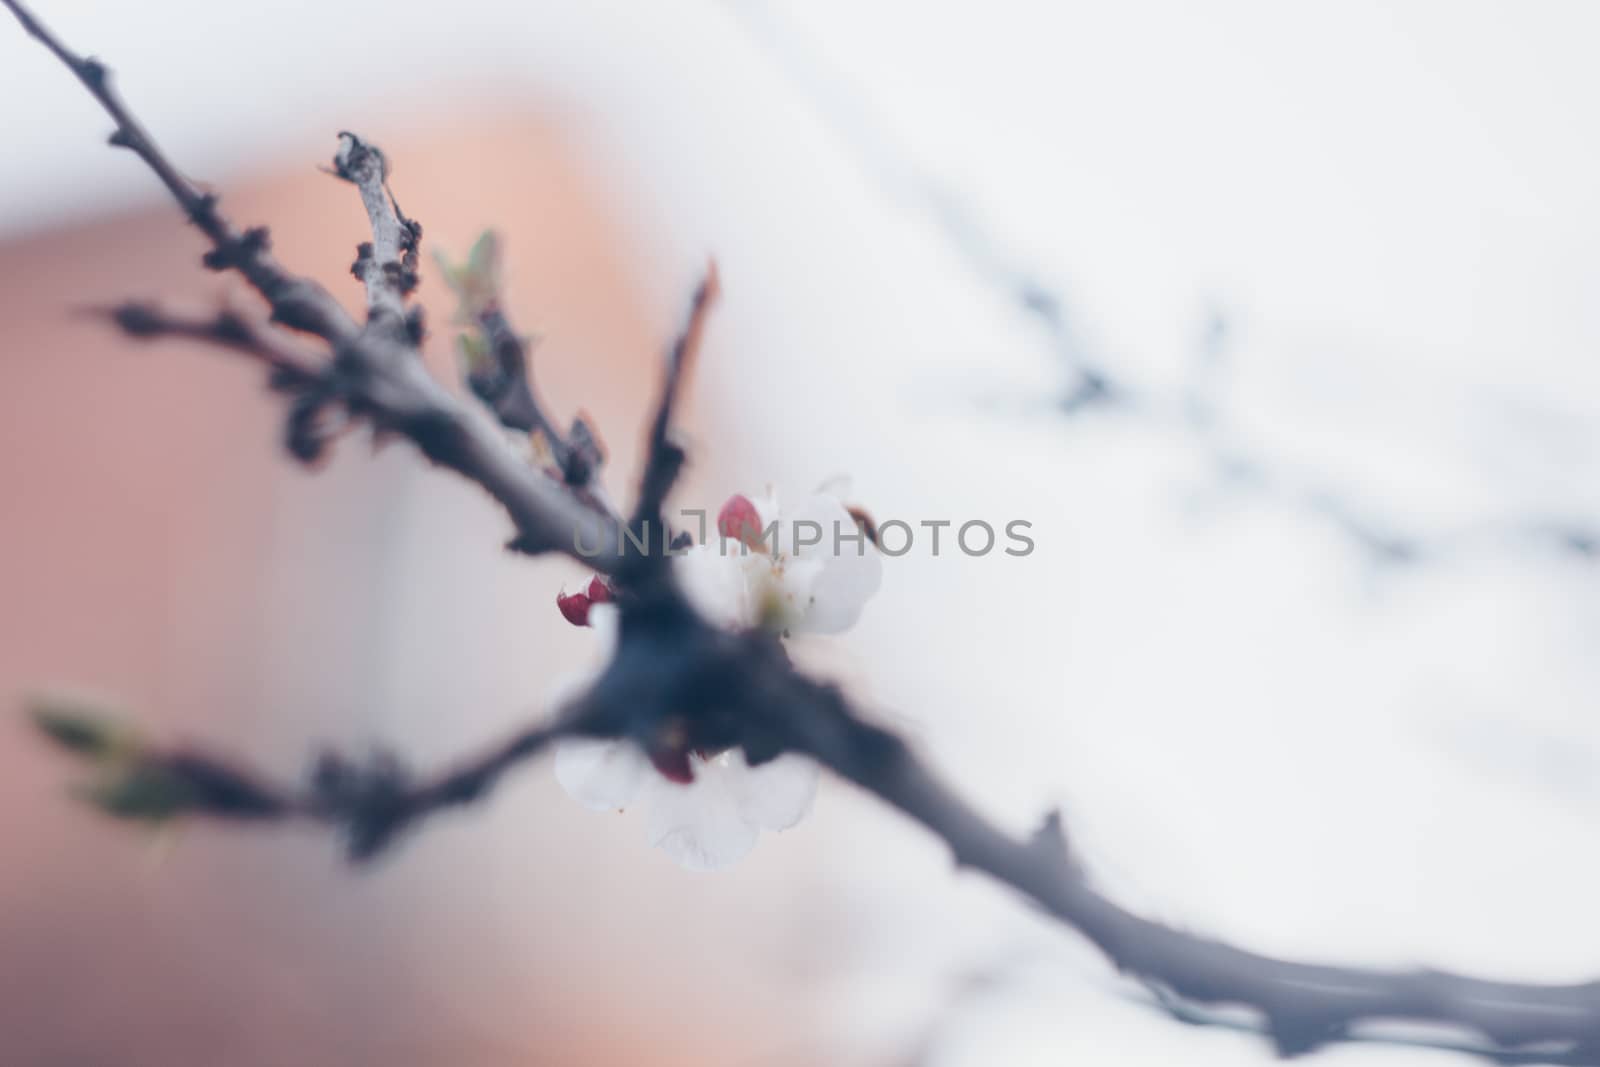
600,775
605,621
714,581
766,506
775,795
842,590
817,512
782,591
698,824
851,570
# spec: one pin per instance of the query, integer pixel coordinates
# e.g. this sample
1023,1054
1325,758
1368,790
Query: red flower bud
574,607
598,592
740,520
673,763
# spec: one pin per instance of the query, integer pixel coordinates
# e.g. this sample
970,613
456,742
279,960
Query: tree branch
292,366
375,380
1302,1006
675,674
374,372
296,302
496,369
663,458
387,266
505,385
370,803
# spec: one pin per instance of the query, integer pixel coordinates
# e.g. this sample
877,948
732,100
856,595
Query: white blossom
771,578
706,809
704,824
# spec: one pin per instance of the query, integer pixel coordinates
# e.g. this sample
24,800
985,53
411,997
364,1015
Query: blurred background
1306,650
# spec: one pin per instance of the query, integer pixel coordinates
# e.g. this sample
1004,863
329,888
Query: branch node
363,256
371,804
235,254
138,320
203,211
95,73
416,326
306,430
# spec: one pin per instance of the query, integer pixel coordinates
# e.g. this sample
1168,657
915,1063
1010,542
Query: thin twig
387,266
296,302
1303,1006
663,458
370,803
292,366
373,372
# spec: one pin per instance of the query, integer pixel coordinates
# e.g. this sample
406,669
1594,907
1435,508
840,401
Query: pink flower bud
673,764
740,520
574,608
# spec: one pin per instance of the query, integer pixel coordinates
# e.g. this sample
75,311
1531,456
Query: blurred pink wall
159,547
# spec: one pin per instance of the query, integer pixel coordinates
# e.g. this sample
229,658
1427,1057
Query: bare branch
296,302
496,368
1303,1006
678,680
506,385
292,366
372,373
663,459
370,803
382,382
674,675
388,266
